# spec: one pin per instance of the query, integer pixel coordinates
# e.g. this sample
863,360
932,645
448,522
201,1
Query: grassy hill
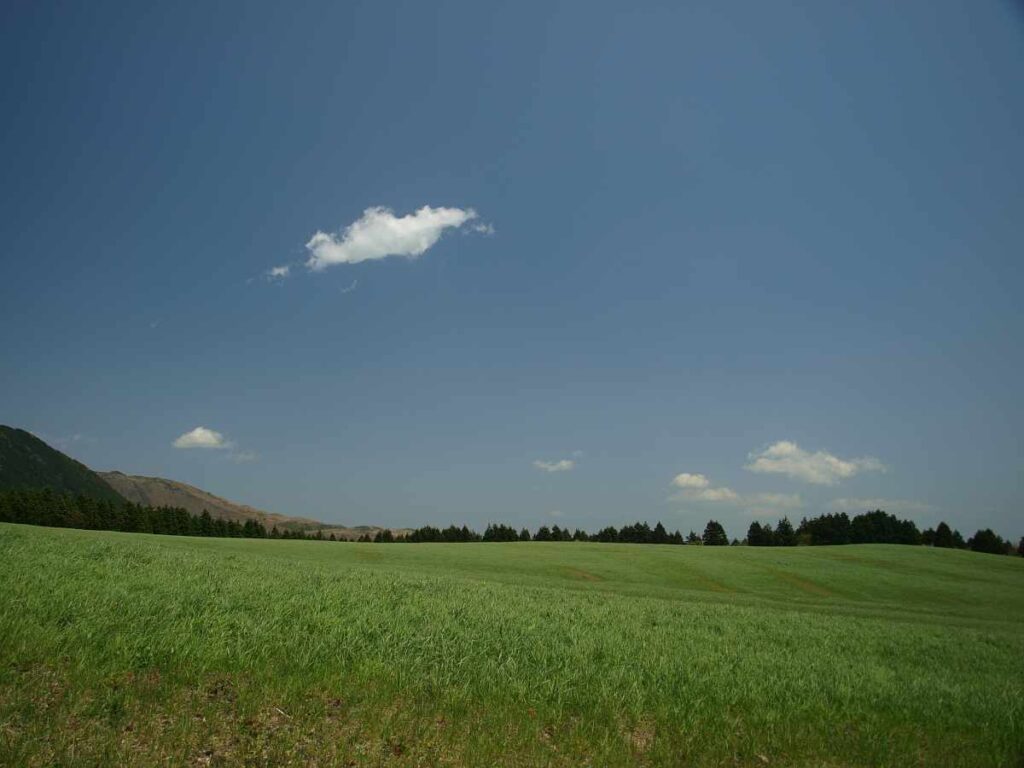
129,648
28,462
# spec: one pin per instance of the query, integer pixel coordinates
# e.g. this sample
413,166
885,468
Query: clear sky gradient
716,226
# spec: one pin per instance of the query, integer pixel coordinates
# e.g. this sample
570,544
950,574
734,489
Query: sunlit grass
142,649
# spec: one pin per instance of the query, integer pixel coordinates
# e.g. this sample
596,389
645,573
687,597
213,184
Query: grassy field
144,650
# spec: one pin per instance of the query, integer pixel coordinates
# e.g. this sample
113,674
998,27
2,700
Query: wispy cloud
694,486
562,465
66,442
768,504
351,287
378,233
278,273
819,468
889,505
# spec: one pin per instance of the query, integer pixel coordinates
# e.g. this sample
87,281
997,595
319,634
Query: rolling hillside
160,492
28,462
149,650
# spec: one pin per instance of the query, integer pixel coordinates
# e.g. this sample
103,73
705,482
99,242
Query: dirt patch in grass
804,585
581,575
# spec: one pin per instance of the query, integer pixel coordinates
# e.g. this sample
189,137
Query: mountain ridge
27,462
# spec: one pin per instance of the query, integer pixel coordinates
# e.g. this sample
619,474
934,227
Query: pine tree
659,535
943,536
785,536
714,535
755,535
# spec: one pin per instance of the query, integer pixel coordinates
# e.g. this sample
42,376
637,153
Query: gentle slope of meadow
128,648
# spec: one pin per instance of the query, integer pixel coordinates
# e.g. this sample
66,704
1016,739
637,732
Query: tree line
48,508
876,527
58,510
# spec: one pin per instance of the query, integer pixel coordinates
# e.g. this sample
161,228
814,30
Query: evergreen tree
987,541
755,535
524,535
944,537
659,535
785,536
714,535
543,534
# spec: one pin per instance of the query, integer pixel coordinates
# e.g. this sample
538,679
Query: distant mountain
160,492
28,462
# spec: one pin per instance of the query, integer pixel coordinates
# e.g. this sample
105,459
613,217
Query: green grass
133,649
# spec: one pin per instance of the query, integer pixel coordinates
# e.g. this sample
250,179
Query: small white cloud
351,287
243,457
696,487
483,229
555,513
690,480
715,494
278,273
201,437
562,465
868,505
378,233
820,468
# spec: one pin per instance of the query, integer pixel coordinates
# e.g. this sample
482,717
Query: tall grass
122,648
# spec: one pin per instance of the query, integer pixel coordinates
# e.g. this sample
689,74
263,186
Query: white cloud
201,437
351,287
688,480
483,229
697,487
278,273
555,513
562,465
868,505
820,468
243,457
378,233
714,494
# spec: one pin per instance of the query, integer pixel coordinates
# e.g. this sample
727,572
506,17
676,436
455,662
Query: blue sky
747,259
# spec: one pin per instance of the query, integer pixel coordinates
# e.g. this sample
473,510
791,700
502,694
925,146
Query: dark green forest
49,508
26,462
